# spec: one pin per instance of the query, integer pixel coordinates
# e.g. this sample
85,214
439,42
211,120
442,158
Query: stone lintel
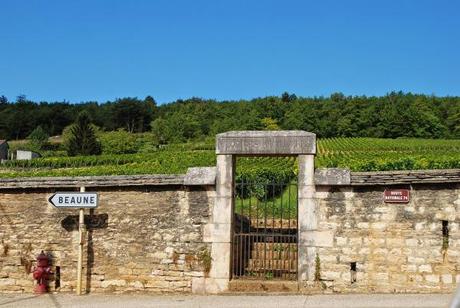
266,143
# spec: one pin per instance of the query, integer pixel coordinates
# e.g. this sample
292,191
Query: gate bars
265,231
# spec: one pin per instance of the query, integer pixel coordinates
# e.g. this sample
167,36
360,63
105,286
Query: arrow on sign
74,200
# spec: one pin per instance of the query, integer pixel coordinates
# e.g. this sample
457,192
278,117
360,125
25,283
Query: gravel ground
224,301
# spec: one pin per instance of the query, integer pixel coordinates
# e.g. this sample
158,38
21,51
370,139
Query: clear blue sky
101,50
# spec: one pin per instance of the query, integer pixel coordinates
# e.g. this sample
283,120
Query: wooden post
81,229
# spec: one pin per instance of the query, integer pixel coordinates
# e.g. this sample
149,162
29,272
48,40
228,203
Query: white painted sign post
80,200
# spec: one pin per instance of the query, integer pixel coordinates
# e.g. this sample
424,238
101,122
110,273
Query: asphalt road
224,301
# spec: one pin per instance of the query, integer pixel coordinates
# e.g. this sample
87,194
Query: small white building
26,155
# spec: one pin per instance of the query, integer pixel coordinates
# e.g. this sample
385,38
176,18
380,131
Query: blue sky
101,50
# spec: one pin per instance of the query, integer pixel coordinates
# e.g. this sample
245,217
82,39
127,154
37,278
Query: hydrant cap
42,256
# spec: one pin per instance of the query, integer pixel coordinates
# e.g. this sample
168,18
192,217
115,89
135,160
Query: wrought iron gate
265,231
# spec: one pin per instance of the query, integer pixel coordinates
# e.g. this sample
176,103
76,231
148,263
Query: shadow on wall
92,222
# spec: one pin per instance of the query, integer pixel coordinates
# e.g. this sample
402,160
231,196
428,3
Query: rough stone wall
152,240
396,247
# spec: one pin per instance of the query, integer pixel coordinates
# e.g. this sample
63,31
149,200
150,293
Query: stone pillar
307,218
221,228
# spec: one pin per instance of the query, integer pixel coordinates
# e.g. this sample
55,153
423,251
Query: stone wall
164,234
396,247
146,238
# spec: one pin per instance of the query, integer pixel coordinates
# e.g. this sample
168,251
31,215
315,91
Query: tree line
393,115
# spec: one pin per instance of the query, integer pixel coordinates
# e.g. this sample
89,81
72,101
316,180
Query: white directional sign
74,199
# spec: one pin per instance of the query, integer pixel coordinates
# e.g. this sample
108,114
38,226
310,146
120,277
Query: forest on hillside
394,115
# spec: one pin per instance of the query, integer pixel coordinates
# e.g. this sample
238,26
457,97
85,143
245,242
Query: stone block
7,282
363,225
113,282
306,262
379,226
341,241
209,285
266,143
355,241
395,242
225,175
193,274
306,191
220,255
411,242
316,238
222,212
425,268
217,233
332,176
308,212
432,278
215,286
330,275
199,285
381,276
416,260
410,268
157,284
306,175
136,285
325,258
446,278
321,192
200,176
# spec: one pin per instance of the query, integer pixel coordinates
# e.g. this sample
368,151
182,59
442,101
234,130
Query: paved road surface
227,301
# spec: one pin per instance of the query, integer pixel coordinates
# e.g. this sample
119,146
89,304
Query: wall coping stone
281,142
332,176
405,177
206,176
195,176
200,176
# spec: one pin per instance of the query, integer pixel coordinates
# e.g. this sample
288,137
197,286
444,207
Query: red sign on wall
396,196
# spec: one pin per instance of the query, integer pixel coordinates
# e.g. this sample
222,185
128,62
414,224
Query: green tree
178,127
133,114
118,142
38,138
287,98
82,140
269,124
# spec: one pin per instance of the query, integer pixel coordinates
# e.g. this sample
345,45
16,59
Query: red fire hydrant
42,272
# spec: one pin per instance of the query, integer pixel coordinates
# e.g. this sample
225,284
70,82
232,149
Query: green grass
282,206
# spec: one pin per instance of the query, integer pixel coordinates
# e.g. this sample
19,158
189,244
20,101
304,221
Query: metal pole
81,227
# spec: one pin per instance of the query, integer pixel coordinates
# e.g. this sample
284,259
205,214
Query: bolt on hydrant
42,273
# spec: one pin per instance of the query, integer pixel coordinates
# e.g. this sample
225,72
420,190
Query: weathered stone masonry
396,247
152,240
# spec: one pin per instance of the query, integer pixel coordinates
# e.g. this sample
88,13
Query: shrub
38,138
118,142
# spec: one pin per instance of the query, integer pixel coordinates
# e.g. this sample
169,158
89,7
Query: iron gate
265,231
